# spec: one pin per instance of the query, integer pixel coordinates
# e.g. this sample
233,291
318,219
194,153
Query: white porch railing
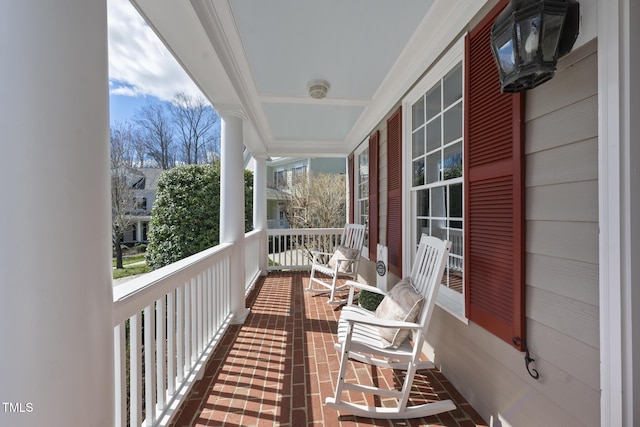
252,245
188,304
166,323
289,248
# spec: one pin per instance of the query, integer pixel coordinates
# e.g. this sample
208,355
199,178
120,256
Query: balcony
274,369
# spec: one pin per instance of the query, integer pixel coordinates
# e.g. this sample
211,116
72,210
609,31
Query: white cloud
139,64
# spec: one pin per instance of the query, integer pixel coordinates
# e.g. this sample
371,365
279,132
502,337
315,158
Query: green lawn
130,270
130,259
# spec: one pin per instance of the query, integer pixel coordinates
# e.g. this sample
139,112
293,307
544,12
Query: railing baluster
212,319
194,323
149,367
199,312
171,343
180,328
120,371
187,326
135,369
160,354
205,306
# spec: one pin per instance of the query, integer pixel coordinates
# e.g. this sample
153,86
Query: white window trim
364,145
449,300
619,209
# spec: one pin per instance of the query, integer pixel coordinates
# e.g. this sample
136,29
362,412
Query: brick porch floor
280,365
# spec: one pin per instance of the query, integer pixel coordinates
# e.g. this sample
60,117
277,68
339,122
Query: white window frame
280,182
450,300
364,146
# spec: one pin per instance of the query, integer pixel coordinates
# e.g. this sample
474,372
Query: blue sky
140,67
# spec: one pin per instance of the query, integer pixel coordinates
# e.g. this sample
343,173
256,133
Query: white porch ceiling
257,56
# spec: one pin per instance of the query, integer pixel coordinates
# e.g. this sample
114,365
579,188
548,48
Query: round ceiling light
318,88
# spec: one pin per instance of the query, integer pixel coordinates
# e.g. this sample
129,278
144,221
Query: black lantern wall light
529,36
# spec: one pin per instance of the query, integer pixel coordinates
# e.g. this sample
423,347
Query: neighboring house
283,173
145,195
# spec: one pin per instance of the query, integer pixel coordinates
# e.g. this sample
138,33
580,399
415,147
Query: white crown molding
219,24
231,110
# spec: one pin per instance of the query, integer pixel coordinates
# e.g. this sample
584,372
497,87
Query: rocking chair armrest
321,253
353,285
317,254
354,317
364,287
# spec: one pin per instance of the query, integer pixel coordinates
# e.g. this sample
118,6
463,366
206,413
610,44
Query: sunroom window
436,157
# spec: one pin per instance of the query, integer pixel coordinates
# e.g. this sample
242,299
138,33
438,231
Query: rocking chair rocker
343,262
366,337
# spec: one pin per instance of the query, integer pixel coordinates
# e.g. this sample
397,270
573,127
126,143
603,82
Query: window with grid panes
436,123
362,194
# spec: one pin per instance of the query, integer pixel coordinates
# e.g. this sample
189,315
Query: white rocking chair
343,262
359,338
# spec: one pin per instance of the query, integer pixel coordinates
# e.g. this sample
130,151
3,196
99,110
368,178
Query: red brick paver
280,365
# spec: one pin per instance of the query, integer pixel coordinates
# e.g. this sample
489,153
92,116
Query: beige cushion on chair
402,303
342,253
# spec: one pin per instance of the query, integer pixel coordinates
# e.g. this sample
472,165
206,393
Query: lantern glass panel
529,32
506,55
551,31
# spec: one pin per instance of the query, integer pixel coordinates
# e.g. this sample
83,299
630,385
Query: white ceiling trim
277,99
320,149
219,23
444,22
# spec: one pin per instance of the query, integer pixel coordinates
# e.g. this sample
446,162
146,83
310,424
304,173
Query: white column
260,207
139,231
56,327
232,205
619,211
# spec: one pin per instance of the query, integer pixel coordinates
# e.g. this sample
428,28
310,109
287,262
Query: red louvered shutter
373,194
394,192
352,197
494,192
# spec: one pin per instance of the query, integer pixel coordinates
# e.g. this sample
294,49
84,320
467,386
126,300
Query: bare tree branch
156,134
316,201
195,121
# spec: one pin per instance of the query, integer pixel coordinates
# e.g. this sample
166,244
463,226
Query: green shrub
369,300
185,218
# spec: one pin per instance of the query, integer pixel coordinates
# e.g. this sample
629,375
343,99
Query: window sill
453,303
